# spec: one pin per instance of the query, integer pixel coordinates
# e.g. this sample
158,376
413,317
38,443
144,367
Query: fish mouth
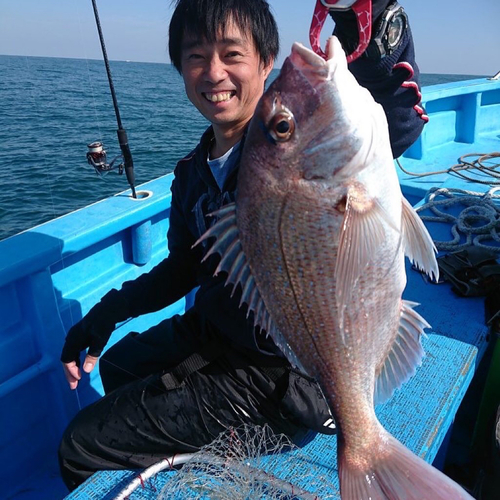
314,67
220,96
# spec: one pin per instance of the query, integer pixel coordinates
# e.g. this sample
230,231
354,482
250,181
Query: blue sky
451,36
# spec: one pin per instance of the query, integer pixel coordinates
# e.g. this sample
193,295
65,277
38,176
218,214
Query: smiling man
175,387
224,75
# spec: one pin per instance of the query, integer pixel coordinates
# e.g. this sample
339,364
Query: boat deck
82,255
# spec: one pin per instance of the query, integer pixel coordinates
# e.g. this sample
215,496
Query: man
175,387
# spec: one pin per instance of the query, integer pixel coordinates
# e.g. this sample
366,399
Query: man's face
225,79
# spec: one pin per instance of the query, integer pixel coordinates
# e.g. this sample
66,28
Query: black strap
276,372
195,362
173,379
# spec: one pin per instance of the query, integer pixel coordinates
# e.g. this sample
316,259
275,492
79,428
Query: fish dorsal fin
233,260
419,247
405,355
235,263
361,234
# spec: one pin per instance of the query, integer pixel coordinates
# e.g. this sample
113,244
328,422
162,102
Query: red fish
317,239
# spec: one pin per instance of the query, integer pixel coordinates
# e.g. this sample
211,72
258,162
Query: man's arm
175,276
167,282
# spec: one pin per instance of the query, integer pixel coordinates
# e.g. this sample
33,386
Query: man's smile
219,96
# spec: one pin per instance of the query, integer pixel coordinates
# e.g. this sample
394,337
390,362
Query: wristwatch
387,33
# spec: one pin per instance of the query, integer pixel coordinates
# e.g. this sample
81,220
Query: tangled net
249,463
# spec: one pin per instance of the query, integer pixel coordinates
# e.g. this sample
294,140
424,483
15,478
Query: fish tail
395,473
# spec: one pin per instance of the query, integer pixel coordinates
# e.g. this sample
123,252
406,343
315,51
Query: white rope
480,207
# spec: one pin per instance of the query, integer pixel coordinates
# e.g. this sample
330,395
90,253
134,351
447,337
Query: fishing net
250,462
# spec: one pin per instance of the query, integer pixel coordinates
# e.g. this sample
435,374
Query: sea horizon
168,63
51,108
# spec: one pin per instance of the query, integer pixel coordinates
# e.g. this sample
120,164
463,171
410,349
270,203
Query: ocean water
51,108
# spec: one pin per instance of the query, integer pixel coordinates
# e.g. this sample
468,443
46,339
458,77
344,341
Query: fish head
315,122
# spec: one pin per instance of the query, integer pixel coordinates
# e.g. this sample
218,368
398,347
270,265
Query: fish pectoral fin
235,263
419,247
405,355
361,234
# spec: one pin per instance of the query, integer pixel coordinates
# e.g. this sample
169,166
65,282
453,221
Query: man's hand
87,333
73,373
92,332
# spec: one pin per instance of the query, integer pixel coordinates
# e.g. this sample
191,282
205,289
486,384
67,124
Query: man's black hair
206,19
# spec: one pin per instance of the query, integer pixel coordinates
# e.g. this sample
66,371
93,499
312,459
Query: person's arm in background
392,78
166,283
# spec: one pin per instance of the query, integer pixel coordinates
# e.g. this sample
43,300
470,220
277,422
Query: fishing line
98,125
124,370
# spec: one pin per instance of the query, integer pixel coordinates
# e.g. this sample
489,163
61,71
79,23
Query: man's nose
215,70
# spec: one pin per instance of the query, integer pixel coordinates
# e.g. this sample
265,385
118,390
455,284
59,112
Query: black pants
139,421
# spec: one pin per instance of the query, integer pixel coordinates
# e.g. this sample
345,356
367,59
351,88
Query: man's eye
233,54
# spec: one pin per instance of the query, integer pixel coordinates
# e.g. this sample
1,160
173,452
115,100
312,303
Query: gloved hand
93,332
393,80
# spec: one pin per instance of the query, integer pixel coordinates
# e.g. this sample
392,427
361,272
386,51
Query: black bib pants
162,399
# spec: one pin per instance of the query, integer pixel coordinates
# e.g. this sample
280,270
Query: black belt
198,360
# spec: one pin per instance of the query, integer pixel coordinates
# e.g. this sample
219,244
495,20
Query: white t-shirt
223,166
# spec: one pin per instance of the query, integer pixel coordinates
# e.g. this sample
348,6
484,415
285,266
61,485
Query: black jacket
195,195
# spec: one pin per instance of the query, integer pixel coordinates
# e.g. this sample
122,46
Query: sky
451,36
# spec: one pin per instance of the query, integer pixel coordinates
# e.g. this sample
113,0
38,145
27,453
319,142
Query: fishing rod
96,156
495,77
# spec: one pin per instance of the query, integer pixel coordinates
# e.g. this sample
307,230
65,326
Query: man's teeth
219,97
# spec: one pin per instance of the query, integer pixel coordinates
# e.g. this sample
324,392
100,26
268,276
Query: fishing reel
97,158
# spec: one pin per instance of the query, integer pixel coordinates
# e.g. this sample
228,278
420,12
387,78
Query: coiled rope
482,165
480,207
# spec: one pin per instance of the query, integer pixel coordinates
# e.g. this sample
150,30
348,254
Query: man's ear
268,68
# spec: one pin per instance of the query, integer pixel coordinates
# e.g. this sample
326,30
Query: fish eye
282,126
